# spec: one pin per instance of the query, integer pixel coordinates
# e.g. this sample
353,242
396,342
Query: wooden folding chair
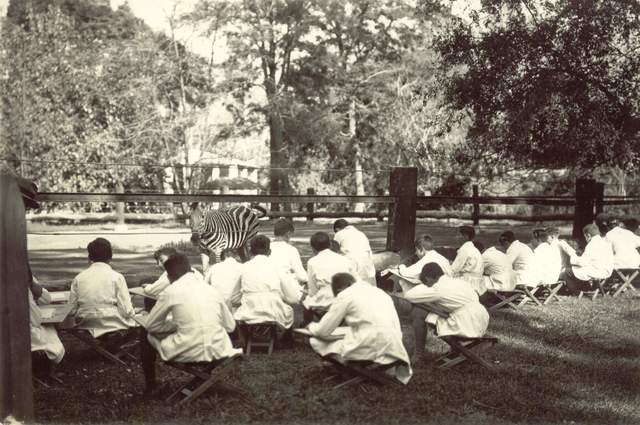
260,335
122,352
506,299
355,372
205,375
462,349
627,276
542,294
597,287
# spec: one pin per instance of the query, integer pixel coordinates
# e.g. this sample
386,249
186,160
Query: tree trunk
357,161
277,177
119,205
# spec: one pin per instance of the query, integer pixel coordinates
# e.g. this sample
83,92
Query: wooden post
401,228
599,197
380,207
585,205
476,206
310,191
16,388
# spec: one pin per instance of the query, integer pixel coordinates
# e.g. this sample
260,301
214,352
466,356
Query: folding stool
596,288
260,335
461,349
359,371
123,350
205,374
627,276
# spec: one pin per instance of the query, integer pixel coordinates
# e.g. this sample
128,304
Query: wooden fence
402,206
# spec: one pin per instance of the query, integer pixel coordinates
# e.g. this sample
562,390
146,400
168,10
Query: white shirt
469,267
467,317
198,330
225,278
596,262
625,248
373,331
355,245
287,257
154,289
100,300
523,263
498,273
432,256
262,288
547,263
44,337
320,270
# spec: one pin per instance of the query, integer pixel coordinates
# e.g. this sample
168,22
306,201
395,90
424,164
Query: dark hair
340,282
282,227
552,231
431,271
166,251
228,252
335,246
100,250
340,224
320,241
540,234
260,245
479,245
507,236
631,224
424,242
177,265
468,232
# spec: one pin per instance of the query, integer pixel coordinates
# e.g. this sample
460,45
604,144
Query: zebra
216,230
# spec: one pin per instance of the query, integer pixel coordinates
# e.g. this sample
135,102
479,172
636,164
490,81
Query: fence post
599,197
585,202
380,207
310,205
476,206
401,227
16,391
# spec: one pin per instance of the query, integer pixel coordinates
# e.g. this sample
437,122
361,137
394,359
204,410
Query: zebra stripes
217,230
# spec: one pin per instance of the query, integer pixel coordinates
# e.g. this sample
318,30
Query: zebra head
196,222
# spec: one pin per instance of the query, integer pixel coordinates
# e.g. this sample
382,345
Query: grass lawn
576,361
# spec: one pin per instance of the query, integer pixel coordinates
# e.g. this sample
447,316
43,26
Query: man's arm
123,298
298,269
158,286
312,284
331,320
73,298
156,320
228,322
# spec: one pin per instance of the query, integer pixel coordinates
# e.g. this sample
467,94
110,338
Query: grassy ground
571,362
576,361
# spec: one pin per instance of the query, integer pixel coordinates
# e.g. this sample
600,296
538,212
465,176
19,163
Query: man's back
286,257
625,247
352,241
225,278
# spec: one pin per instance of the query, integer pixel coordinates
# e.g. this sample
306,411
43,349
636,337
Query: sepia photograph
320,212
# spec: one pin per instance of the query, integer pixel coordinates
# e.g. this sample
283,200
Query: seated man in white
461,313
199,324
355,245
468,264
625,246
562,251
99,297
409,276
224,276
320,269
154,289
596,262
498,274
545,258
373,330
286,256
46,348
522,259
263,290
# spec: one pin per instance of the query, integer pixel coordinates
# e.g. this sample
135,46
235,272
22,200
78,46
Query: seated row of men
546,261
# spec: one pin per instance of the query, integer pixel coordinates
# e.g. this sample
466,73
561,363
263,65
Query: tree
549,84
